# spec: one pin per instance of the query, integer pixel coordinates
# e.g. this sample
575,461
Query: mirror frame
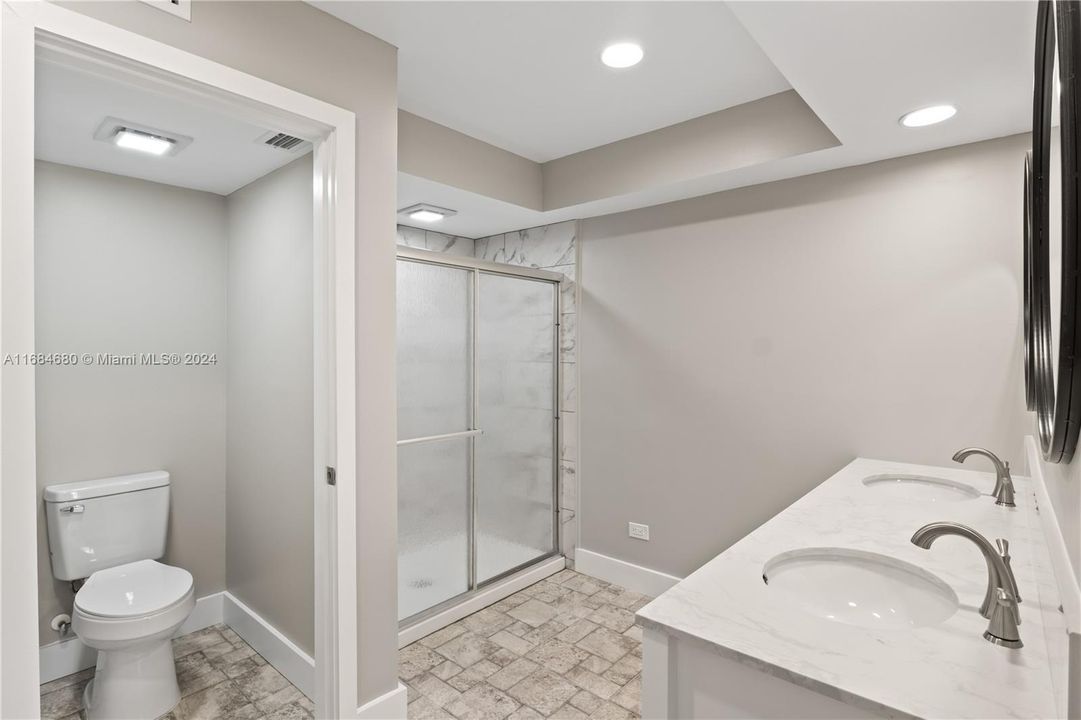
1027,292
1058,404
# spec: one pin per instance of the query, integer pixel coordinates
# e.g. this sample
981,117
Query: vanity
829,607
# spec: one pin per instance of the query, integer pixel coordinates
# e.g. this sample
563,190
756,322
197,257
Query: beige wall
128,266
756,132
737,349
429,150
295,45
270,536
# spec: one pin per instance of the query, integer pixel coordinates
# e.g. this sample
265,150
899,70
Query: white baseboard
207,612
481,600
278,650
390,706
622,573
69,656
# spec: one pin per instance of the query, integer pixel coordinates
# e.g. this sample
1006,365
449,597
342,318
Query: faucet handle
1005,617
1003,546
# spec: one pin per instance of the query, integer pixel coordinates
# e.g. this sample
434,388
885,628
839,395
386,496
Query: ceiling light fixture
143,142
426,216
142,138
928,116
622,55
425,213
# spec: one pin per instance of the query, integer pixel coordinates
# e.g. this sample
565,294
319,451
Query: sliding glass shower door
477,425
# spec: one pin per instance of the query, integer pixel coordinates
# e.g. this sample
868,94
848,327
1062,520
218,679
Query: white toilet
110,532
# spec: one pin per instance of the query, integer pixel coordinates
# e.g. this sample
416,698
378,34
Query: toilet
110,533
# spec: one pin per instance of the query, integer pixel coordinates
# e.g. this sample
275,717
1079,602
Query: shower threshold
450,611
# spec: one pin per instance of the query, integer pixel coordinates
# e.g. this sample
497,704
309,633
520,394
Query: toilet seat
144,587
132,603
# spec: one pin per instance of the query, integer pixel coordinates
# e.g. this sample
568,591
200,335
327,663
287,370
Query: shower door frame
477,268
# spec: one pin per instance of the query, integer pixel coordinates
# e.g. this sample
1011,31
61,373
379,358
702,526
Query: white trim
390,706
484,598
19,680
334,131
65,657
622,573
278,650
207,612
1069,590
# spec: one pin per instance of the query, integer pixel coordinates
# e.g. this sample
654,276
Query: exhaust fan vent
283,141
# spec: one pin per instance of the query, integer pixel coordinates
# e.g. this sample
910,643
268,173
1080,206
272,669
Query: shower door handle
444,436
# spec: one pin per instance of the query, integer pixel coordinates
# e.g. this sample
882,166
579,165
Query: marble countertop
943,671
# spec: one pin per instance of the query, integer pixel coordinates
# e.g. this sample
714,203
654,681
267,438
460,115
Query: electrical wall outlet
638,531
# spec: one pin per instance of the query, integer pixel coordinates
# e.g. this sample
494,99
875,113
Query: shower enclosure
478,426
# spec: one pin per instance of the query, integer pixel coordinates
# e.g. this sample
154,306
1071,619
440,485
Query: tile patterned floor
566,647
220,676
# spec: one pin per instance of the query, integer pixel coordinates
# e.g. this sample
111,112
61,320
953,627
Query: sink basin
922,488
861,588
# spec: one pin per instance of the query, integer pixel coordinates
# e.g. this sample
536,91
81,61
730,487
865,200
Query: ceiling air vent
283,141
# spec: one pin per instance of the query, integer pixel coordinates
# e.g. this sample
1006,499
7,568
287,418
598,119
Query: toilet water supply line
62,624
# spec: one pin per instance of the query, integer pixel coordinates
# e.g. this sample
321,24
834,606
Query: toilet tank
98,524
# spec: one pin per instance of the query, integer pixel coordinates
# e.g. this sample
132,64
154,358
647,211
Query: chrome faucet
1001,599
1003,491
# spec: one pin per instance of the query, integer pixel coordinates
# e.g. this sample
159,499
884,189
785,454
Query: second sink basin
921,487
862,588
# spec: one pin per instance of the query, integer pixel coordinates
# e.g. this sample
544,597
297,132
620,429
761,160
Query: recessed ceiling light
928,116
143,142
425,213
622,55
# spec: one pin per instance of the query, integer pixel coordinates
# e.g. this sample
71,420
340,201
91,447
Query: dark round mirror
1051,244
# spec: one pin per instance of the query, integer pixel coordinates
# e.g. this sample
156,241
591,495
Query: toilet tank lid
86,489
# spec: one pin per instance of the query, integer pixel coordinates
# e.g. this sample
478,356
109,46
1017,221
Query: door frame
24,28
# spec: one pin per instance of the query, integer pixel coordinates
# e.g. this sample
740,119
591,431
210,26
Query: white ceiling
223,157
859,66
527,76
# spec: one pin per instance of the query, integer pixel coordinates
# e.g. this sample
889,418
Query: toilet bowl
129,613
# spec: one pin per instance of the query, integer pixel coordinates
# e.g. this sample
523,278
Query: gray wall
269,510
739,348
300,47
129,266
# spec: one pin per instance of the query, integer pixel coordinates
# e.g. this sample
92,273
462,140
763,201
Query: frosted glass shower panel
433,523
516,455
434,364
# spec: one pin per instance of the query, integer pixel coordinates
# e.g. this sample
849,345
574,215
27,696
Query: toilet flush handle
70,509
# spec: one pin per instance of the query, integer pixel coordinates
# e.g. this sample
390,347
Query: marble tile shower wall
551,247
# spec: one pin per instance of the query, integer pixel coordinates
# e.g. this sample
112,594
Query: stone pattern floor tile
566,647
220,678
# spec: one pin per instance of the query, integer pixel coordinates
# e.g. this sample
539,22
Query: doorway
40,29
